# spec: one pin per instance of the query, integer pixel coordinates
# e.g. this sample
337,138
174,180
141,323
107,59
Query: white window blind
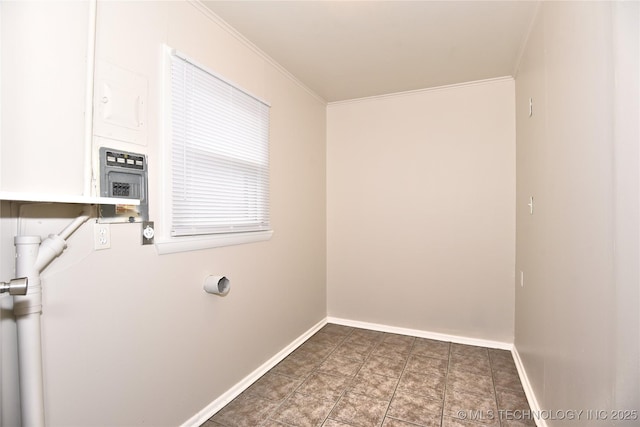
219,155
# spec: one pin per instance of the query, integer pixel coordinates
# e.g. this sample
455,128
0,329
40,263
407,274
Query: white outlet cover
101,236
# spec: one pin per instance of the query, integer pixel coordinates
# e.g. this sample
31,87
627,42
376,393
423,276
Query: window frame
166,243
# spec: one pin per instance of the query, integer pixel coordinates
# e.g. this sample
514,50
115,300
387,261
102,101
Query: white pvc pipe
73,226
27,310
32,257
31,376
50,249
218,285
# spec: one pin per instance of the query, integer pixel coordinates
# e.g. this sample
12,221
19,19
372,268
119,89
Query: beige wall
130,337
576,325
420,210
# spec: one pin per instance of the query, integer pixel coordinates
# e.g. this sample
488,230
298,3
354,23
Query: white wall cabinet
43,78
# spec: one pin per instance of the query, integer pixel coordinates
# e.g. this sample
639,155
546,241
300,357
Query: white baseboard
528,390
422,334
207,412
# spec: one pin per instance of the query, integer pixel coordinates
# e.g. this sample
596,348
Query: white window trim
184,244
164,242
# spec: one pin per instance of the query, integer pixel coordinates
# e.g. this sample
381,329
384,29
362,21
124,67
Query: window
218,158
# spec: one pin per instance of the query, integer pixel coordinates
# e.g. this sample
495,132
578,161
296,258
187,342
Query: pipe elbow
50,249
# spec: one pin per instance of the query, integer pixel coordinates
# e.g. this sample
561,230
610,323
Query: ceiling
352,49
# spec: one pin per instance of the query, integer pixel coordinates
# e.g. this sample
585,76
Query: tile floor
350,377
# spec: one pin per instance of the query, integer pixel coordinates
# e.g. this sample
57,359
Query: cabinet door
43,84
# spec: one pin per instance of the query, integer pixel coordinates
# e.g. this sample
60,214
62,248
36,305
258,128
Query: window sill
184,244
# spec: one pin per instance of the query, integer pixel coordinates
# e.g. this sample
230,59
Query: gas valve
15,286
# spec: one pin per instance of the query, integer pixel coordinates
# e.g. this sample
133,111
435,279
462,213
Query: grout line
347,387
393,395
446,381
495,392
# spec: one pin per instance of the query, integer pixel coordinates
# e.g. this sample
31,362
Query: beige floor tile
427,384
471,407
324,386
514,408
359,411
340,365
416,409
299,364
507,379
332,328
245,411
525,422
471,363
334,423
471,350
502,360
369,335
327,338
384,366
498,354
322,350
511,399
468,382
426,364
392,422
399,339
353,350
396,350
505,367
303,411
456,422
363,340
374,385
273,386
431,348
404,341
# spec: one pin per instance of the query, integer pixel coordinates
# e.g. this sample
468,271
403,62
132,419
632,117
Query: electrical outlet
147,233
101,236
